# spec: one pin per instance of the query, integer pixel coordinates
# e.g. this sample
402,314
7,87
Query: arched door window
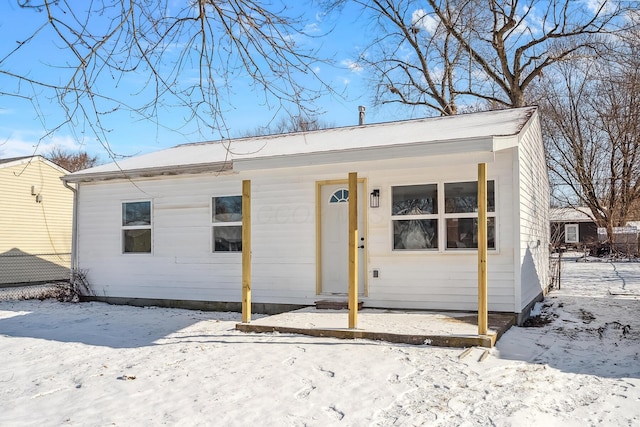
341,195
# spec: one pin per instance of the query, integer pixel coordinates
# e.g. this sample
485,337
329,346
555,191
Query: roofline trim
415,149
149,172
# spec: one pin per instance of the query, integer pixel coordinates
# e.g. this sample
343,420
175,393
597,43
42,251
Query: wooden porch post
483,312
353,250
246,251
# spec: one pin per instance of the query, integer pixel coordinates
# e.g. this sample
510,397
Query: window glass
136,227
462,197
415,234
340,196
463,233
415,200
137,240
136,213
571,233
227,209
227,239
227,223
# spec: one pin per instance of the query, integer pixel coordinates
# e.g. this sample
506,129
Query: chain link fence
555,270
56,290
30,276
18,268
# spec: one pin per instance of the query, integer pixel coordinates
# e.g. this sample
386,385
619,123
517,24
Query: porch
443,329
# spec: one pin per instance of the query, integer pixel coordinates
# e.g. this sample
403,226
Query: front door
334,238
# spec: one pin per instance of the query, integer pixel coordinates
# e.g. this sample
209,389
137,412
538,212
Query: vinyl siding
534,215
182,265
31,228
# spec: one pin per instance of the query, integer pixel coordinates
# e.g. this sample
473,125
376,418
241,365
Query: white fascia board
505,142
149,172
398,151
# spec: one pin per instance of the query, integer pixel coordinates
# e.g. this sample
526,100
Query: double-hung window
414,214
461,214
136,227
227,223
571,233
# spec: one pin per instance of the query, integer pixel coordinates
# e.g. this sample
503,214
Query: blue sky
23,122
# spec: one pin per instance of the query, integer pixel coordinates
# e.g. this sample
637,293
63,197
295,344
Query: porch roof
484,132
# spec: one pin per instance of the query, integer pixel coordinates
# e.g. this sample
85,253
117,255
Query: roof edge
28,159
149,172
412,149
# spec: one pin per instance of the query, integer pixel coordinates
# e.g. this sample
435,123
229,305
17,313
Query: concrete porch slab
444,329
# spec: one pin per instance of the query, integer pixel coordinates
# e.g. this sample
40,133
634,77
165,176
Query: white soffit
397,151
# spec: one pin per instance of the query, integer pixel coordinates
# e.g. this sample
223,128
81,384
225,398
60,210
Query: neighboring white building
165,228
35,221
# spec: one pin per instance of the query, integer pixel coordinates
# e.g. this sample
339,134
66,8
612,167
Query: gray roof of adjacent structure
13,159
575,214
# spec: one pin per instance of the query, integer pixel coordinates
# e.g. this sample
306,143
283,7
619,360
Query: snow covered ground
92,364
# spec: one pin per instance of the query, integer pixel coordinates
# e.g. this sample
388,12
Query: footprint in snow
305,391
335,413
327,372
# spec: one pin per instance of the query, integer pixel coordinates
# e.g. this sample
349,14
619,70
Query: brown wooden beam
483,311
246,251
353,250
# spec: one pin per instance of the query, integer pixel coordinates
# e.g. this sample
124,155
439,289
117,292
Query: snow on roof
13,161
576,214
435,132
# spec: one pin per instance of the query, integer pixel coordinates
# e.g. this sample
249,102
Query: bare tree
289,124
590,113
439,53
413,58
71,161
183,55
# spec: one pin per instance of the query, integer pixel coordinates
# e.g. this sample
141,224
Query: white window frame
463,215
576,227
442,217
217,224
435,216
136,227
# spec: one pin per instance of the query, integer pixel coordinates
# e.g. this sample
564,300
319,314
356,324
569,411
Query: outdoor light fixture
374,198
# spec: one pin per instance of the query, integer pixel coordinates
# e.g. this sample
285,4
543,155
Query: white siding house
164,228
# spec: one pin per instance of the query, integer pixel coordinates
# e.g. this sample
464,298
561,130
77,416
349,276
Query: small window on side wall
136,227
571,233
227,223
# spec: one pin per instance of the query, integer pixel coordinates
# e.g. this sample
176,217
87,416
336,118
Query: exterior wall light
374,198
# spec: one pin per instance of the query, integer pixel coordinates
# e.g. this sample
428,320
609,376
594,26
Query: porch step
326,304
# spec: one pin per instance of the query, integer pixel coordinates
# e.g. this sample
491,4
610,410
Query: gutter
74,228
150,172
